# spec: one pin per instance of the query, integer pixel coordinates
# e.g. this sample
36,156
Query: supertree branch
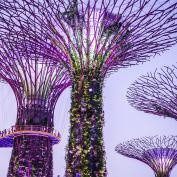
159,152
155,93
101,34
37,87
91,39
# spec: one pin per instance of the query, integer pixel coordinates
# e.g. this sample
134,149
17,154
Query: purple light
78,175
155,92
37,87
160,153
103,33
7,136
90,39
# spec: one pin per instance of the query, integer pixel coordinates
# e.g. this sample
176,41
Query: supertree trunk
162,175
32,154
32,157
86,154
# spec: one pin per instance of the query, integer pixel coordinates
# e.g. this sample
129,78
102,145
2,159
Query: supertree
155,92
159,152
91,39
37,87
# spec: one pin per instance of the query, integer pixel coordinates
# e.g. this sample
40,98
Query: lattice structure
37,87
155,92
91,39
159,152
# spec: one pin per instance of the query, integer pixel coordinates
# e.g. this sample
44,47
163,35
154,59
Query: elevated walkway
7,136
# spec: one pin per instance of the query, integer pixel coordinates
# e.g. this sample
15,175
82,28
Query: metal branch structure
159,152
91,39
155,92
37,87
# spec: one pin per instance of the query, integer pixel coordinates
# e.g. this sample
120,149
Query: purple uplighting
160,153
7,136
48,45
37,87
155,92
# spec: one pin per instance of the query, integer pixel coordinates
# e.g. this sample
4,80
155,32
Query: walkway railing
8,135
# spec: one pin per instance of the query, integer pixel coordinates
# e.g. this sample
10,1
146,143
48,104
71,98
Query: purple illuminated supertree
37,87
91,39
159,152
155,93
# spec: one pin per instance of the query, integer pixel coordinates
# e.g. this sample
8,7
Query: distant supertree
37,87
156,93
160,153
91,38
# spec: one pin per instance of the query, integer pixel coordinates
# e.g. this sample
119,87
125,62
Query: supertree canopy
37,87
91,39
159,152
156,92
